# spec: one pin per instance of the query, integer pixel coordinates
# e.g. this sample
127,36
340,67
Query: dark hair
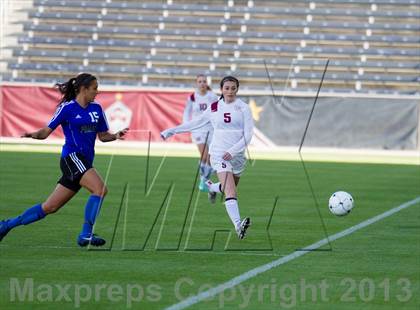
71,88
228,78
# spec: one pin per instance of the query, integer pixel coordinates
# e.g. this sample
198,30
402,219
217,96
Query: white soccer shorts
236,165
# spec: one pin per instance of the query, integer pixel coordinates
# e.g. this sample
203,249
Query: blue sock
202,167
91,210
208,170
31,215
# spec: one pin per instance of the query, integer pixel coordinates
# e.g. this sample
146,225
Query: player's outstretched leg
91,211
4,229
31,215
232,209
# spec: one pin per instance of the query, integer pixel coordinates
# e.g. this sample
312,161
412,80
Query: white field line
263,268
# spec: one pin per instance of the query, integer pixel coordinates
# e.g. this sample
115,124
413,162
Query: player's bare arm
40,134
107,136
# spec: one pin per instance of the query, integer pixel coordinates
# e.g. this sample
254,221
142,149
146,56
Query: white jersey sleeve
187,111
194,124
248,129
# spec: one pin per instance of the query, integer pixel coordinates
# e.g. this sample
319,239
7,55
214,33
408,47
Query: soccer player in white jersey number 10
197,103
233,128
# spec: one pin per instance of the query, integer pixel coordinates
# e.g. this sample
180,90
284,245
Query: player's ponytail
226,79
71,88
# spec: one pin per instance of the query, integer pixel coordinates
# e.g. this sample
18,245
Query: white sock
214,187
233,210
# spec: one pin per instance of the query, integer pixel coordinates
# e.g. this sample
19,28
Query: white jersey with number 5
232,124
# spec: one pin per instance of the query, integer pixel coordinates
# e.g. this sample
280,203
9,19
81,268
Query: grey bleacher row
285,61
348,50
127,18
187,84
389,2
235,9
29,26
260,74
120,43
264,2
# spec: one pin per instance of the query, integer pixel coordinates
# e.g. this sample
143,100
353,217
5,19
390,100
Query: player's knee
230,193
50,207
100,190
104,191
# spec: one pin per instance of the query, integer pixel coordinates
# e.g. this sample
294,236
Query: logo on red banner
118,115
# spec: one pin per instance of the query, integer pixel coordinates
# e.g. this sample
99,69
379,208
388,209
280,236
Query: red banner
28,108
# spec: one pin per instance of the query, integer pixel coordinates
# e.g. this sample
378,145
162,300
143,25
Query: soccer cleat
203,186
241,230
84,240
212,197
4,229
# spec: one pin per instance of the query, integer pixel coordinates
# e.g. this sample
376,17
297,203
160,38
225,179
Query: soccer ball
341,203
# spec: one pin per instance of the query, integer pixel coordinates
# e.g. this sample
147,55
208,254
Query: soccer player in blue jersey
82,120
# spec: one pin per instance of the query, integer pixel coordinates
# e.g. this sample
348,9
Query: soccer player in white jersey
197,103
233,128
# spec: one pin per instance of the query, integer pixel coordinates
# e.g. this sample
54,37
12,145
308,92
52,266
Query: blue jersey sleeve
59,117
102,123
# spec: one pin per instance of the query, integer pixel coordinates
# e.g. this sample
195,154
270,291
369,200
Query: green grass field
157,261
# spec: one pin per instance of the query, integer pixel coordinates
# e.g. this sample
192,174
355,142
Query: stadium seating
372,46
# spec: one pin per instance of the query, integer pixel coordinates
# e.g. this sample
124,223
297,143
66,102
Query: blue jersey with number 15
80,126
